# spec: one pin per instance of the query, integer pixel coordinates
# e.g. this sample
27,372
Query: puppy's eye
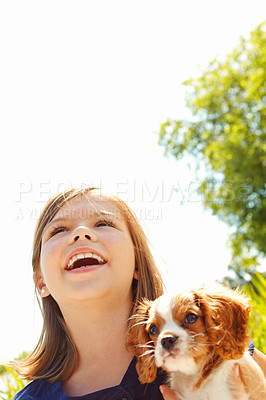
191,318
153,330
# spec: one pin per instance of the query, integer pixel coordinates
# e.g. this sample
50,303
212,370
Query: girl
91,265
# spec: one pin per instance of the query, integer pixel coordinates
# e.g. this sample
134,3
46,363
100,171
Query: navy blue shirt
129,389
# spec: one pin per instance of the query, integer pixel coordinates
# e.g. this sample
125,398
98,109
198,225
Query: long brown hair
55,357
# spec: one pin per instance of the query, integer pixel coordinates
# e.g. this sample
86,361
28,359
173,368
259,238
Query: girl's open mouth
84,260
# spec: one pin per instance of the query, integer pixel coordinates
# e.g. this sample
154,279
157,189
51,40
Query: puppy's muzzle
168,342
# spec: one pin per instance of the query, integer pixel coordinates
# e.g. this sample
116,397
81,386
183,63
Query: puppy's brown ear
226,315
140,345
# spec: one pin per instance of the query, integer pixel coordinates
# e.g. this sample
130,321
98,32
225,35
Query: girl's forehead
85,206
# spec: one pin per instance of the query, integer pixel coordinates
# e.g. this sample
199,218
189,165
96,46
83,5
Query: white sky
83,87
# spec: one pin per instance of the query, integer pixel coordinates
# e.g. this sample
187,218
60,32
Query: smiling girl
91,266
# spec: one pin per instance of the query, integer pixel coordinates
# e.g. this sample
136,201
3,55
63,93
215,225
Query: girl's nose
83,232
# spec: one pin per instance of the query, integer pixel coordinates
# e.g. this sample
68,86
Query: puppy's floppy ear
140,345
226,315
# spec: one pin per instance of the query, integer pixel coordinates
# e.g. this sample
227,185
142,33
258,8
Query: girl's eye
105,223
191,318
57,230
153,330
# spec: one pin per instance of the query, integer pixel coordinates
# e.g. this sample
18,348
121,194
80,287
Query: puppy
197,337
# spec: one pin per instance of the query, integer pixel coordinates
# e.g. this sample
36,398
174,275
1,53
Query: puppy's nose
168,341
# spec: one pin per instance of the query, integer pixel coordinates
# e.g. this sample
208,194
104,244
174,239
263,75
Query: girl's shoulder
39,389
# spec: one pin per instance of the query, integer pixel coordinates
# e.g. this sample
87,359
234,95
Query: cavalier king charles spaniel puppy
197,338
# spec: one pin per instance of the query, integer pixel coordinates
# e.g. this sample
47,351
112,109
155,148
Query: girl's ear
136,274
41,285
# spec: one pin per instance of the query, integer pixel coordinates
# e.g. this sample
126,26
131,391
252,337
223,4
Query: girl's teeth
84,255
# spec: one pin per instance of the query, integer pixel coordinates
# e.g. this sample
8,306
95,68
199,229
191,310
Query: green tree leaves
10,383
256,290
226,135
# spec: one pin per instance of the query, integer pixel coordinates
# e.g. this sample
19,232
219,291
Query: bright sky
83,87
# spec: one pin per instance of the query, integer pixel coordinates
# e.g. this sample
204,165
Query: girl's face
87,252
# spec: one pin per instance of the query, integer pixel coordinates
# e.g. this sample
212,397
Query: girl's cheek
48,255
52,245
